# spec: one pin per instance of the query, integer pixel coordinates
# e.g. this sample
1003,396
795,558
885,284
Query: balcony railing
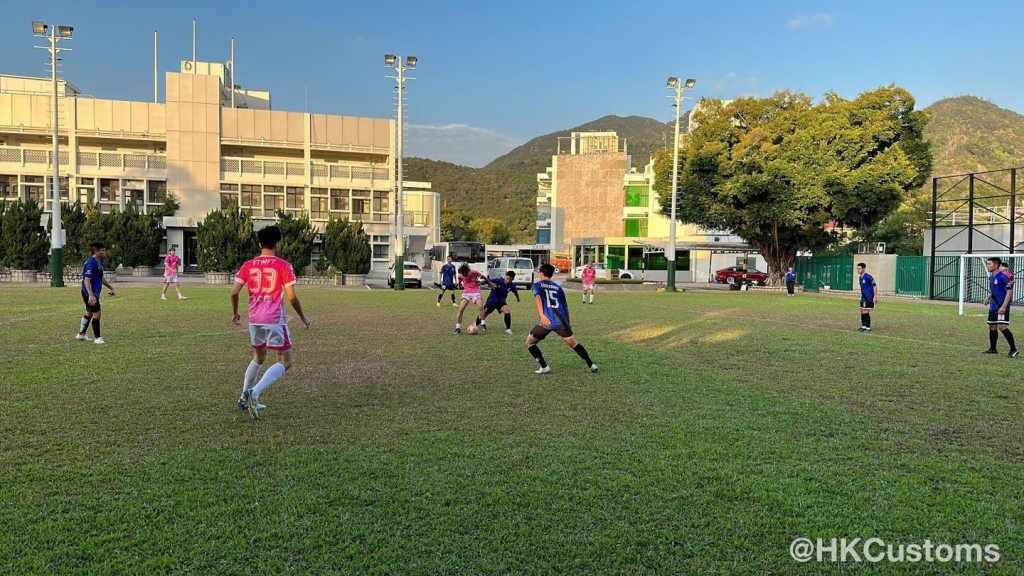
280,169
97,161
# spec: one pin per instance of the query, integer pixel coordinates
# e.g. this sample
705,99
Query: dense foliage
226,240
297,237
346,247
24,243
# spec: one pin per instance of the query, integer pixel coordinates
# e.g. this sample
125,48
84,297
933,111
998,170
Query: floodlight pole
400,67
679,86
56,231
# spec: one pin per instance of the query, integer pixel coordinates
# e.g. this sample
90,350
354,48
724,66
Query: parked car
561,264
523,267
735,274
413,275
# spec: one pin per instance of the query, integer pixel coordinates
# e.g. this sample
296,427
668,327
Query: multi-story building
592,204
211,144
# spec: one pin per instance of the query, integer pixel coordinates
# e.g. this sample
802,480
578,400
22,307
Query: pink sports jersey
588,275
471,283
266,277
171,265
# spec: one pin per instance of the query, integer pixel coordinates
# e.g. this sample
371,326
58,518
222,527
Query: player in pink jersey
171,274
267,278
470,280
589,274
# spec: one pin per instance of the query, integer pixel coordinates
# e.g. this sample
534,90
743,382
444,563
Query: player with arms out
470,280
554,317
999,299
447,281
267,278
868,296
92,286
498,300
171,274
589,274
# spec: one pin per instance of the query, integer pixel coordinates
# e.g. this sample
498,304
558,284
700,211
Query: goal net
974,277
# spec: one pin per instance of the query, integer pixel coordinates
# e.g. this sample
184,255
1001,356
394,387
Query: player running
171,274
999,299
470,280
447,281
554,317
498,300
267,278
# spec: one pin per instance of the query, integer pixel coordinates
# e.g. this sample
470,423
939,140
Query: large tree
490,231
780,171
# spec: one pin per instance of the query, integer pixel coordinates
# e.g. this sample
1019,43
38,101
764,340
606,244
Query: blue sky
493,75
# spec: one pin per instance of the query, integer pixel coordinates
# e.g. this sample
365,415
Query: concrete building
211,144
592,204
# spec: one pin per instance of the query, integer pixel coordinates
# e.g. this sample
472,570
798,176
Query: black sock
535,352
864,319
993,339
867,318
582,353
96,327
477,320
1009,339
508,321
453,297
439,296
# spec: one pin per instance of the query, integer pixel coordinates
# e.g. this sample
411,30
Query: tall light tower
679,87
392,61
55,34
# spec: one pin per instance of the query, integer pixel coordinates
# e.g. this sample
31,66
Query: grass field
722,426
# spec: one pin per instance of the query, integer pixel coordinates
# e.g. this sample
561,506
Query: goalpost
974,277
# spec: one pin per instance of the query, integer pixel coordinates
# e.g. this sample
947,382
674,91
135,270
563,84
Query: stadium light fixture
393,61
38,28
673,82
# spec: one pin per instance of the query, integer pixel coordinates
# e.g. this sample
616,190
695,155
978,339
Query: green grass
722,426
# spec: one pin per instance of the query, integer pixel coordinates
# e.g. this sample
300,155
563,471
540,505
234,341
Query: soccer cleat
593,367
458,331
867,328
243,402
543,370
991,351
254,406
99,341
862,328
180,297
163,296
483,327
508,331
455,305
82,337
438,303
1013,353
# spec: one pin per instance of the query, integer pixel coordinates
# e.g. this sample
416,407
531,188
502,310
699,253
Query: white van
523,267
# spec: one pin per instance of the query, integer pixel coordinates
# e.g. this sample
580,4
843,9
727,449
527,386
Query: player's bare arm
109,287
235,318
1006,301
296,305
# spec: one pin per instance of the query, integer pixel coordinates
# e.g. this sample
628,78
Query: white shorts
273,336
588,286
472,297
170,279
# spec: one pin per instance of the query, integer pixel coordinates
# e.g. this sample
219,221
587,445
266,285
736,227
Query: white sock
591,298
458,326
84,325
251,372
269,377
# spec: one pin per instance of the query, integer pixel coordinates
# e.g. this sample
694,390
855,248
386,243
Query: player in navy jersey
92,286
554,317
999,299
447,281
498,300
868,296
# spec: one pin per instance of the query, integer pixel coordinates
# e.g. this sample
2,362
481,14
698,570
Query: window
157,191
318,208
636,227
33,192
380,201
110,190
271,204
637,196
296,198
86,195
250,195
339,201
543,236
635,258
659,262
8,185
87,181
381,252
617,257
135,198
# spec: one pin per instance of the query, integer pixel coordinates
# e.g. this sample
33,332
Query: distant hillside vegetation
969,134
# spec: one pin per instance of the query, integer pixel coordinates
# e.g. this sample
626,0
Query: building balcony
124,165
321,174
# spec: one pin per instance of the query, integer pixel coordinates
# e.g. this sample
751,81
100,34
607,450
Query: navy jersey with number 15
553,303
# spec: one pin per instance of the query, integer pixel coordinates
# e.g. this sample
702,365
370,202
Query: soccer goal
974,277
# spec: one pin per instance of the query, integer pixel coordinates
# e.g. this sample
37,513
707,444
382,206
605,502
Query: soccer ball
472,329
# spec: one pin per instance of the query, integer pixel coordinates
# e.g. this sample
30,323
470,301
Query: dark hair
97,246
511,275
1004,265
995,260
464,269
269,236
547,270
862,265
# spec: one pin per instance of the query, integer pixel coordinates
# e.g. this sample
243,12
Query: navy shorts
866,303
448,286
91,308
541,332
994,317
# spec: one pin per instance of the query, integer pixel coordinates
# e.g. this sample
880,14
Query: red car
735,274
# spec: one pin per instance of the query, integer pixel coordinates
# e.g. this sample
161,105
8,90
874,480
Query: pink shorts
472,297
171,279
588,286
273,336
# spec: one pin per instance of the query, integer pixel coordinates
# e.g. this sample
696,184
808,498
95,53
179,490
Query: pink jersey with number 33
266,277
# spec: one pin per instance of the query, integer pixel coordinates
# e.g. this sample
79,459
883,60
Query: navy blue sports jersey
499,295
448,273
999,284
93,271
867,287
552,300
790,276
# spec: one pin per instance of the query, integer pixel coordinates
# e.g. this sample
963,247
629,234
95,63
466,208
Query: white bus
472,253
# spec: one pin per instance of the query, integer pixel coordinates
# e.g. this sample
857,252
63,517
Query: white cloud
456,143
733,81
804,21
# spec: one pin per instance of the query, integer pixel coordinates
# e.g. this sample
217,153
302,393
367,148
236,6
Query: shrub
297,236
346,247
226,240
23,241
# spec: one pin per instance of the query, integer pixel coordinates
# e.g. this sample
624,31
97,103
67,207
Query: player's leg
1005,329
83,325
177,288
163,293
458,319
97,339
279,340
578,348
251,372
591,294
480,313
441,295
508,318
993,332
538,334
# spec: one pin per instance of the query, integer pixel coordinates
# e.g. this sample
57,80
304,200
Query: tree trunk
779,259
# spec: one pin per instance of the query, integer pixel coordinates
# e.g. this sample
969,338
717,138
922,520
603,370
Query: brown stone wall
590,195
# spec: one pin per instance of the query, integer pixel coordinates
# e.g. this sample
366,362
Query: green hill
969,134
